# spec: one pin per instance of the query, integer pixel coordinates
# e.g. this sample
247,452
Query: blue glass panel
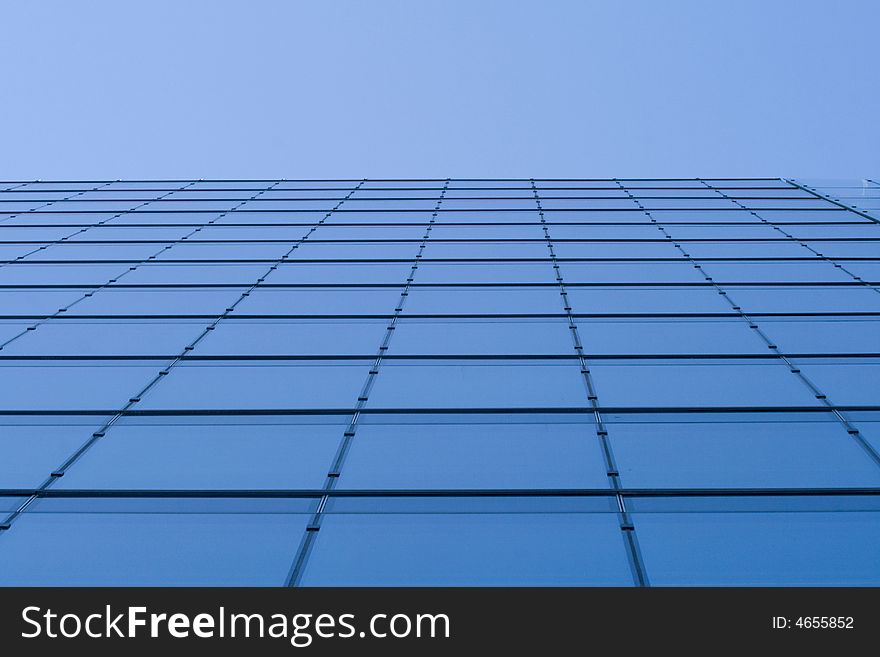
769,249
847,382
208,455
195,274
765,272
798,300
468,549
150,549
716,383
450,301
32,448
211,251
157,301
695,336
292,386
340,273
294,337
658,272
486,250
112,233
521,272
414,337
472,456
478,232
39,274
760,549
37,302
36,386
106,338
704,453
647,300
97,252
318,301
824,336
862,248
468,385
354,251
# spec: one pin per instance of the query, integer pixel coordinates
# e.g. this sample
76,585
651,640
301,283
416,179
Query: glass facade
440,382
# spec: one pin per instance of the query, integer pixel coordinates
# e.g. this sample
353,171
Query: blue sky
433,89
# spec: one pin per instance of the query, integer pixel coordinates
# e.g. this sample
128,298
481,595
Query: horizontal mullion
459,284
404,224
487,261
491,410
189,356
381,199
441,211
383,240
404,315
69,493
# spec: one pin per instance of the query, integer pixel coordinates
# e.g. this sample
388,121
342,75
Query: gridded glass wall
440,382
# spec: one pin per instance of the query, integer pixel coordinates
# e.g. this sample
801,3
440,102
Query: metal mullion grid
83,228
793,368
830,199
101,432
307,542
625,521
11,187
833,261
47,204
112,281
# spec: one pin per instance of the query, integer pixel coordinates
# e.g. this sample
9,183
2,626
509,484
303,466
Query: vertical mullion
300,560
625,522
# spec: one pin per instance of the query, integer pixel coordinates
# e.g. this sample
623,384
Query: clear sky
411,88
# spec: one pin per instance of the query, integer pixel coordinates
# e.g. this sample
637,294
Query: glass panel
37,386
471,456
468,385
321,301
847,382
766,272
31,448
647,300
608,272
294,337
203,454
337,273
106,338
450,301
716,383
37,302
39,274
756,453
669,337
804,299
412,337
127,301
272,386
840,335
521,272
152,549
523,549
760,549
